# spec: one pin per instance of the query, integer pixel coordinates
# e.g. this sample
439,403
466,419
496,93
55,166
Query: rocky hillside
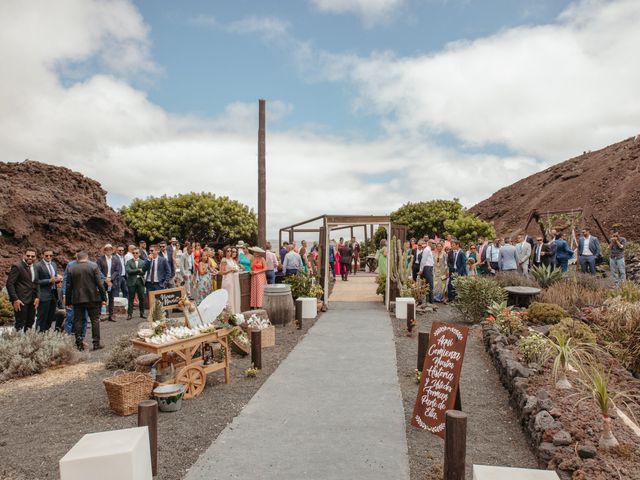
605,183
47,206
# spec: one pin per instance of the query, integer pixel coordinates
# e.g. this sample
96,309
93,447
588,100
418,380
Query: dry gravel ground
494,436
45,415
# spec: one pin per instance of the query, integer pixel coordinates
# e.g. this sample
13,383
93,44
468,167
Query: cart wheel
194,379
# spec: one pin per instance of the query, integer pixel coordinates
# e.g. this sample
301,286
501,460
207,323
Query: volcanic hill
43,205
605,183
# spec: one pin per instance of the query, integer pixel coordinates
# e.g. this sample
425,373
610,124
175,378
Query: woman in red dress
258,268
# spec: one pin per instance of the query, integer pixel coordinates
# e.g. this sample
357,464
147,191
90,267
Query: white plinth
121,454
309,307
487,472
401,306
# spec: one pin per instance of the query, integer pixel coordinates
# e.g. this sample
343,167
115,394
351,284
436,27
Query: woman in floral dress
202,285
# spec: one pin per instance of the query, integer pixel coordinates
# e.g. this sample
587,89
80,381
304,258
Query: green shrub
514,279
546,313
627,291
533,347
301,284
417,289
509,322
27,353
6,310
570,328
474,296
382,284
546,275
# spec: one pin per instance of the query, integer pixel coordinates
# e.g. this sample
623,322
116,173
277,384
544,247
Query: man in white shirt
292,261
426,268
123,288
493,256
272,265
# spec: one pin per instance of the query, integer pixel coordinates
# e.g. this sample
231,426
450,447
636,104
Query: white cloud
266,26
105,128
550,91
371,11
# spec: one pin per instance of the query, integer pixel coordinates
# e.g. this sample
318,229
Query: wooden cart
192,372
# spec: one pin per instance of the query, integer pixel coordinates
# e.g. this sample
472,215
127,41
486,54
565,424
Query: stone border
536,413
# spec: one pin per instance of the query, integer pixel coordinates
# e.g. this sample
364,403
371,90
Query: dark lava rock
546,451
43,205
562,438
544,421
587,451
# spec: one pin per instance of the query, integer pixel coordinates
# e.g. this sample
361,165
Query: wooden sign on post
440,377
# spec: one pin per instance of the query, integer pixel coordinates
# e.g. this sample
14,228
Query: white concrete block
309,307
401,306
121,454
488,472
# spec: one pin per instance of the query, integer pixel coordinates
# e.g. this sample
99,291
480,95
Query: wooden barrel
278,303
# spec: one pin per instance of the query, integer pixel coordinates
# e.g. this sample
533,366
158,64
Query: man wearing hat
110,268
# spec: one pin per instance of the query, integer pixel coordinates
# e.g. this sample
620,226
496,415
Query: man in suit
85,291
110,268
588,251
157,270
551,249
123,289
563,253
166,251
142,246
24,291
457,266
523,252
48,279
538,251
346,253
417,259
508,257
135,282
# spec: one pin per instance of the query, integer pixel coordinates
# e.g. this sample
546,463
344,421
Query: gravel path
494,436
43,416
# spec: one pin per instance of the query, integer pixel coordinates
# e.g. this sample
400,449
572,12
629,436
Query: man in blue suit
109,267
166,251
588,251
563,252
157,270
47,277
457,266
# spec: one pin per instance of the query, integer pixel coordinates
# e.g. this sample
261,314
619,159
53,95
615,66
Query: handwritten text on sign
169,298
440,377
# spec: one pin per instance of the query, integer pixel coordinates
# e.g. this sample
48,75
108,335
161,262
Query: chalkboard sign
440,377
169,298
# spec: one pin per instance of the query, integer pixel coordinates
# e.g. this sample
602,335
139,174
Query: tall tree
201,217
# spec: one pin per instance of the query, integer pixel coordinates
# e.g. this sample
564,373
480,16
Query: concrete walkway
332,409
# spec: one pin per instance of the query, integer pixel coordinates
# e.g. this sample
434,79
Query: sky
370,103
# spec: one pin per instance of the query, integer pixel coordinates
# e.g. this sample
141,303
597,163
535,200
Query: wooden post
262,175
455,445
411,316
423,343
256,349
148,417
299,314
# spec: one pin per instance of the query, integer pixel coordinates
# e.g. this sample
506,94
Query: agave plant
566,352
597,384
545,275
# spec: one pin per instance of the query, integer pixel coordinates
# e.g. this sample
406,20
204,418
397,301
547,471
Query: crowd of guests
437,260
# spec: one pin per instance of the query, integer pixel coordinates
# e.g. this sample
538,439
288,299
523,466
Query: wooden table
521,296
192,372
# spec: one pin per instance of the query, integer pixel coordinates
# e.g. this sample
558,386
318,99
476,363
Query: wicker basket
125,390
268,335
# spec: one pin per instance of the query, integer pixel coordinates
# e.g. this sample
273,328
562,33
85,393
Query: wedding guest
440,274
135,282
110,269
427,263
563,253
588,251
381,258
346,253
292,262
123,289
258,277
616,262
523,251
142,247
272,265
230,280
48,280
24,291
202,281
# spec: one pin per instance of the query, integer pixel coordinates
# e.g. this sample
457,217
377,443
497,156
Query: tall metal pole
262,175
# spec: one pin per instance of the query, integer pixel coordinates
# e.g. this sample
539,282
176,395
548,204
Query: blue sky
370,103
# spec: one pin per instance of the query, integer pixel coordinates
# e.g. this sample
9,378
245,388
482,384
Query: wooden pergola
331,223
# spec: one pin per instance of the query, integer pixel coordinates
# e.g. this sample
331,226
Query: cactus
399,264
